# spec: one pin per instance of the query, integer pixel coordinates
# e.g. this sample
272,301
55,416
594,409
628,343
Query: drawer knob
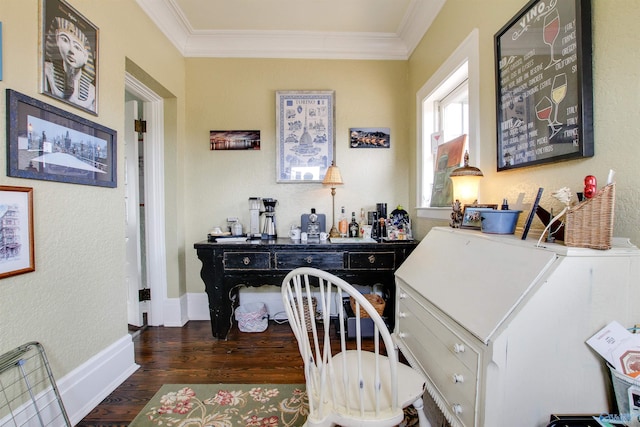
458,378
456,408
458,348
402,334
309,259
246,260
402,314
403,295
372,259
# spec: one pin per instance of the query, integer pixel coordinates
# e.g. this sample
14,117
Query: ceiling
318,29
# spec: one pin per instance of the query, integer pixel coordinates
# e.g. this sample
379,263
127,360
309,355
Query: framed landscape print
305,135
69,65
544,84
234,140
45,142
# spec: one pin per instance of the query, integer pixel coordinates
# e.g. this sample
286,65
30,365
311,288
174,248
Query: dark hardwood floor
190,355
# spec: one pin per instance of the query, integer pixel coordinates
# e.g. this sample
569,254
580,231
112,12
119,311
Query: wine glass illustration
544,107
558,92
551,30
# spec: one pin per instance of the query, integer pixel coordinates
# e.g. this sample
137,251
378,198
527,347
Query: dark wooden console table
225,266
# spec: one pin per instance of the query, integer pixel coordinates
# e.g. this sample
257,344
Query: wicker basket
307,313
376,301
589,224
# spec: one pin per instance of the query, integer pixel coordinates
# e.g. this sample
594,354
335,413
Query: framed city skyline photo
45,142
17,253
234,140
69,56
544,99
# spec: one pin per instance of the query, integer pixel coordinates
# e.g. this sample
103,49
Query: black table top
289,244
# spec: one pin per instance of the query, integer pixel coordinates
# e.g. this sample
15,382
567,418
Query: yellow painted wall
228,94
78,287
616,93
75,301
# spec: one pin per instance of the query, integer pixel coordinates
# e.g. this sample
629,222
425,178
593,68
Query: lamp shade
466,181
332,177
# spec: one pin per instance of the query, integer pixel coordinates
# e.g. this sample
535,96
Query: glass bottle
353,227
363,222
343,224
374,226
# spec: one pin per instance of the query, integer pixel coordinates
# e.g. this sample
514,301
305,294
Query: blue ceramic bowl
499,222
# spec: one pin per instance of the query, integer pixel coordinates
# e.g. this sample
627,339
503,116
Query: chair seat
411,385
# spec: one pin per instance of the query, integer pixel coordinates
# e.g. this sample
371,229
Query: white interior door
152,259
133,263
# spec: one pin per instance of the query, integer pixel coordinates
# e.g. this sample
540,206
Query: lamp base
334,232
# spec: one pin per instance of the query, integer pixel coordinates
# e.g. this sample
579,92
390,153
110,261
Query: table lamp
466,180
333,178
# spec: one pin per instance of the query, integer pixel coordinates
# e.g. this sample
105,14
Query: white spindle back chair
345,386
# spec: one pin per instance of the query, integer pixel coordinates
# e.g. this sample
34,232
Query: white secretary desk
499,325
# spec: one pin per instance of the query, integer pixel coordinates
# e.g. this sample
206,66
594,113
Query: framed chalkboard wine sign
544,84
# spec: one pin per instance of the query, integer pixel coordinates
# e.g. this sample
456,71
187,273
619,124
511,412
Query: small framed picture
471,215
234,140
16,227
370,137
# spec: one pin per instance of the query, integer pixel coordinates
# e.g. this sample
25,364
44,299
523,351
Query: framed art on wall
305,135
370,137
69,64
544,84
45,142
17,254
234,140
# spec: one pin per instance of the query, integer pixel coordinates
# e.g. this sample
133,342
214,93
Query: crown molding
292,44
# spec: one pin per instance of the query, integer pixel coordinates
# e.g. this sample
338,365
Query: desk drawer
246,260
372,260
323,260
432,344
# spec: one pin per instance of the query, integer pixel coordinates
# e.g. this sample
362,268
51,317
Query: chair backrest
340,379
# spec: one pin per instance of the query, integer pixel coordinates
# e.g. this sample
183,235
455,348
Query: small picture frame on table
471,215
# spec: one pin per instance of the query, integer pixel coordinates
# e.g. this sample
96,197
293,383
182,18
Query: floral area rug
231,405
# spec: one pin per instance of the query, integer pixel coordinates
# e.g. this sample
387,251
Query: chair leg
422,417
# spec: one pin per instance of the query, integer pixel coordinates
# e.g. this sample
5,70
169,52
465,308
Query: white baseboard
198,306
86,386
175,312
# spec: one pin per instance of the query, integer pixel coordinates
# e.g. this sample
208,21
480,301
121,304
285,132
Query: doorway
144,204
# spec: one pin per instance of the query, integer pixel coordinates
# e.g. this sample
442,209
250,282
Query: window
447,103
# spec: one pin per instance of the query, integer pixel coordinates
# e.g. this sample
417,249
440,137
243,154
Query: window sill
434,213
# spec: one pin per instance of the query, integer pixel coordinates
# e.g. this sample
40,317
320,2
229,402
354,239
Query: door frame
153,147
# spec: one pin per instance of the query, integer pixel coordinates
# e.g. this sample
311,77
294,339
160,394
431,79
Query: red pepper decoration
590,186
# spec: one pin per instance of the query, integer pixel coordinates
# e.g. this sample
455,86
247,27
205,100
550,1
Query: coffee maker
255,209
269,226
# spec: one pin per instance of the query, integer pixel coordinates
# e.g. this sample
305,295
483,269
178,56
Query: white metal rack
28,392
